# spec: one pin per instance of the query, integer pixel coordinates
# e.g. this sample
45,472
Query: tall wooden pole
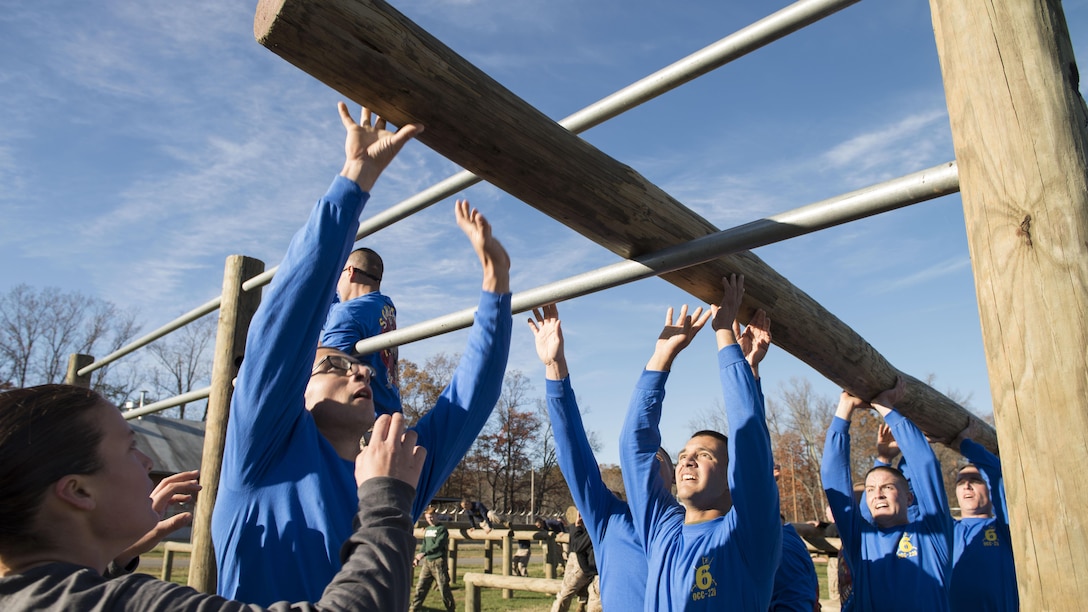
1018,127
235,313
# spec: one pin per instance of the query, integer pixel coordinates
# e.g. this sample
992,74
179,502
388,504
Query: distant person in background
477,514
364,312
432,561
581,572
983,573
553,553
519,561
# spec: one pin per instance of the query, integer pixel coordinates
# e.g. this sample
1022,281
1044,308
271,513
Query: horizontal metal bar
177,400
177,323
883,197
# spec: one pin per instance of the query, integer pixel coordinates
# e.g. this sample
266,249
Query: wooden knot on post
1025,229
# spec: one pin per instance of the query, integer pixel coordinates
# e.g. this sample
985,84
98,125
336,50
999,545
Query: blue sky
143,142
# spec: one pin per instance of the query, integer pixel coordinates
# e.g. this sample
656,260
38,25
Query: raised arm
548,337
573,452
751,473
640,436
675,337
448,430
493,257
754,340
283,335
887,449
837,479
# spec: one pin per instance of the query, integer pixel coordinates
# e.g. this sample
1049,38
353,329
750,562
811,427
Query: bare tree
711,418
421,386
508,441
40,328
183,360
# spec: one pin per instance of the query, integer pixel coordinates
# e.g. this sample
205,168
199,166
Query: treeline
512,466
40,328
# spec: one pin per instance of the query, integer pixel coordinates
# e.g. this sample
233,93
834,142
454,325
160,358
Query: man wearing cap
983,573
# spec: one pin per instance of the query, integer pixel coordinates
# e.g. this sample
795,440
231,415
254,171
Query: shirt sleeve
268,400
448,430
751,466
839,487
377,558
576,460
640,438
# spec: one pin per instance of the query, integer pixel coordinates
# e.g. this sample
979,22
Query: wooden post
1018,127
472,597
548,548
489,555
235,313
77,362
413,77
507,559
167,564
833,577
453,560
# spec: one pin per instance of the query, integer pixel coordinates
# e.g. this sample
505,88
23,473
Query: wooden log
472,598
169,550
452,560
1018,127
412,77
507,560
519,583
235,313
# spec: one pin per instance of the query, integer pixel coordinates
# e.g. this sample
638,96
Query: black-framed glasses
341,366
363,272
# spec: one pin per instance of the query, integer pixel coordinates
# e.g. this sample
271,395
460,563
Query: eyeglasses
363,272
342,366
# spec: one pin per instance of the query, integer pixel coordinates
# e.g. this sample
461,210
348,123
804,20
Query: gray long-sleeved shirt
376,573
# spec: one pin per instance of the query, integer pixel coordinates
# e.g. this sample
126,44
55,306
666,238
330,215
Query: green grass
490,599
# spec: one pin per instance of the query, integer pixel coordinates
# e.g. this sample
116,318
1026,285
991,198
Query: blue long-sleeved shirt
286,499
724,563
796,587
983,573
365,317
899,568
621,561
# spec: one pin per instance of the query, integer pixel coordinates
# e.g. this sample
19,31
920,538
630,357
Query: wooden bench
475,581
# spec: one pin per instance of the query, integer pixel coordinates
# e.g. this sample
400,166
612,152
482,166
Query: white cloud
897,147
926,276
